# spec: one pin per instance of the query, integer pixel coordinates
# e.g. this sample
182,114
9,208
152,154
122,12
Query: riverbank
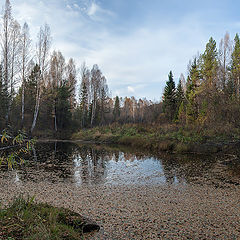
143,212
25,219
171,138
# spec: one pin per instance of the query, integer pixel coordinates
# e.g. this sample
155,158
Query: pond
88,164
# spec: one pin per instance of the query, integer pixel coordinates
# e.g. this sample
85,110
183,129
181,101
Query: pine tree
192,85
179,98
63,107
208,94
169,98
210,65
116,110
235,65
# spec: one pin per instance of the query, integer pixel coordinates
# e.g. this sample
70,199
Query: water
92,165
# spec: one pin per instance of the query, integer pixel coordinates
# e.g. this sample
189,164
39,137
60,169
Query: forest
44,94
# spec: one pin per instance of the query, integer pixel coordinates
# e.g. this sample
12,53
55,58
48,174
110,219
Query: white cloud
76,6
133,62
93,9
146,55
130,89
97,13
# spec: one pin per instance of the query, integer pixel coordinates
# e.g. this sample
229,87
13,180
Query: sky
134,42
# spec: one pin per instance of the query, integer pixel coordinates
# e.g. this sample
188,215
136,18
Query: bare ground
143,212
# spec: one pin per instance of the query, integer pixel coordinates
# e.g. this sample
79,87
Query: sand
190,211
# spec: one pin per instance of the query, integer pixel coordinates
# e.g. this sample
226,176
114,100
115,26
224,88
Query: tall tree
43,46
169,98
84,95
6,41
30,96
95,86
225,51
210,65
116,111
71,76
10,32
193,83
103,97
3,100
57,78
83,104
25,62
179,98
235,65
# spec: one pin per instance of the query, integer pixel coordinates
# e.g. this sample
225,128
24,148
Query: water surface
92,165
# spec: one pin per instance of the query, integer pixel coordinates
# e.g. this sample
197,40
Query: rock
77,221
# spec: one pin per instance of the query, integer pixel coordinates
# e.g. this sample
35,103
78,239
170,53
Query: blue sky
135,42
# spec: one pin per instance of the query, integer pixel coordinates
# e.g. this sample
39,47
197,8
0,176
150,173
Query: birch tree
71,76
225,51
84,94
5,41
25,63
10,32
95,90
42,53
15,54
57,78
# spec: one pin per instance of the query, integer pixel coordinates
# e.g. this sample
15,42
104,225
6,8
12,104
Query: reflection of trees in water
185,168
52,159
87,164
90,165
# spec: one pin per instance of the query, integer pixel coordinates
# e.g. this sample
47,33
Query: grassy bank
172,138
24,219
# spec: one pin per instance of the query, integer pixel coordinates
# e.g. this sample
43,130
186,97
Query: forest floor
194,211
172,138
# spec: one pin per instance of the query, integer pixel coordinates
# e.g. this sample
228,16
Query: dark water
91,165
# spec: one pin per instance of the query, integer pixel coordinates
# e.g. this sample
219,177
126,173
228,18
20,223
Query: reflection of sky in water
88,165
124,169
142,171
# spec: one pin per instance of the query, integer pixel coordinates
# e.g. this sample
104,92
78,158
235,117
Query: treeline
37,89
42,93
211,94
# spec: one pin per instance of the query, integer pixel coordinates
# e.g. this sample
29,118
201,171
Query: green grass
27,220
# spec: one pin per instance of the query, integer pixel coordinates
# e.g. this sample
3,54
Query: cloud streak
134,45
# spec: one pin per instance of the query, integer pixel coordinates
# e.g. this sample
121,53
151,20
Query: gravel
142,212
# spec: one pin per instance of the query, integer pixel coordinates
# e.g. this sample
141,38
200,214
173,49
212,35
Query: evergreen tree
210,65
179,98
192,85
116,110
235,66
63,107
30,93
208,101
169,98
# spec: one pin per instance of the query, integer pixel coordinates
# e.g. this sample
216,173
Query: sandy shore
143,212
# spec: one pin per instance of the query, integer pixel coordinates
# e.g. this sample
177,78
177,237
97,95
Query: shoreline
144,212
